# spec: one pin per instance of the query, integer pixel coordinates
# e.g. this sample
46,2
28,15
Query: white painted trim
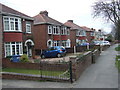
19,23
29,40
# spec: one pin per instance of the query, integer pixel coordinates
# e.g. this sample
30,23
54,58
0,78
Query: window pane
6,26
8,53
16,24
28,27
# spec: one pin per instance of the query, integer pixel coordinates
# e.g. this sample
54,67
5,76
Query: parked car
55,51
84,44
105,43
95,43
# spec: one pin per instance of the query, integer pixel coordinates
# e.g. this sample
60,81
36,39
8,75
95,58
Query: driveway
102,74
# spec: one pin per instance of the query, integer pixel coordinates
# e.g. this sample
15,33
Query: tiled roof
9,11
43,18
72,25
86,28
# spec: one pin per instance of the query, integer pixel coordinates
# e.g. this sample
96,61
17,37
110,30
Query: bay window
56,30
13,48
49,29
56,43
12,23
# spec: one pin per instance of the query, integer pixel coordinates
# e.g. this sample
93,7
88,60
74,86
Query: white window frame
28,24
55,28
48,43
82,33
50,29
64,31
56,43
13,22
92,34
11,50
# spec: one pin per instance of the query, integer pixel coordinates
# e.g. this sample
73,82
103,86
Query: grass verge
117,62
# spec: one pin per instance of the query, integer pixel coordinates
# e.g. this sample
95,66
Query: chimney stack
70,21
44,13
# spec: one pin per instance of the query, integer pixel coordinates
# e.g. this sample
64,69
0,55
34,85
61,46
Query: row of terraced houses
20,33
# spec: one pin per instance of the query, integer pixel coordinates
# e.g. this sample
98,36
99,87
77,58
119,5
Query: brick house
50,32
90,33
17,32
77,34
1,33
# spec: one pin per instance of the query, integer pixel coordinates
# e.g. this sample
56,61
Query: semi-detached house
90,34
77,33
17,28
49,32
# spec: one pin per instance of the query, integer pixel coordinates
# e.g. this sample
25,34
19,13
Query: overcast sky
62,10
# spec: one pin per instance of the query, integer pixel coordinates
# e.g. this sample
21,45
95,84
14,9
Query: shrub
117,48
24,58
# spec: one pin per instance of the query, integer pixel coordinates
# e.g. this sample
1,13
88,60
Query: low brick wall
95,55
79,65
105,47
8,75
38,66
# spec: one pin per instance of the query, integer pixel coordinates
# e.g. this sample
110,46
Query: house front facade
1,33
17,32
90,34
77,34
49,32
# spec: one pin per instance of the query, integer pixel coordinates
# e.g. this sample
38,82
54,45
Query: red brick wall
56,37
89,37
73,38
79,65
40,36
65,37
12,37
42,65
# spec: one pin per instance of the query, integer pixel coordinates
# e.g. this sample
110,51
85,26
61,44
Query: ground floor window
56,43
66,43
13,48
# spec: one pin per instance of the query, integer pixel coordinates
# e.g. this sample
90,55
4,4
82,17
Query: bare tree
110,11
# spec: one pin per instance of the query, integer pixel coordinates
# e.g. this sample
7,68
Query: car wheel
58,55
42,56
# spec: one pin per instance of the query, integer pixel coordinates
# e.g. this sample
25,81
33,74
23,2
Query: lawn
34,72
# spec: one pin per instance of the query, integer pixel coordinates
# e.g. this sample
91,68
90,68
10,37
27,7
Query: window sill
12,31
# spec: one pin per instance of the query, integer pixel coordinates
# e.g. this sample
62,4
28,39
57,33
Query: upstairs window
56,30
83,33
92,34
49,29
12,23
64,31
28,27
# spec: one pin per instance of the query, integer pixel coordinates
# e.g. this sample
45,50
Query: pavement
102,74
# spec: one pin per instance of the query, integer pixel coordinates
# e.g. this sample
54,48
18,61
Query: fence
46,71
